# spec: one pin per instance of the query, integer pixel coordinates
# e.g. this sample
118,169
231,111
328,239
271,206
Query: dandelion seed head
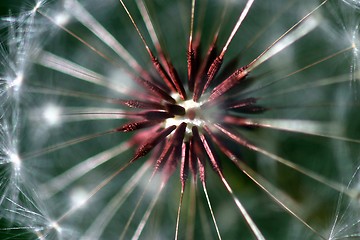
197,113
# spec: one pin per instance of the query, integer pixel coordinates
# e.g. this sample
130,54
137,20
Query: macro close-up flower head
179,119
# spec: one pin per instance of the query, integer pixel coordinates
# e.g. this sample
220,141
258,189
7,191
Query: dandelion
180,119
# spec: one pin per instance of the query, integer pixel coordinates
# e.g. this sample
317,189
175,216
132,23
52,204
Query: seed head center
193,116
